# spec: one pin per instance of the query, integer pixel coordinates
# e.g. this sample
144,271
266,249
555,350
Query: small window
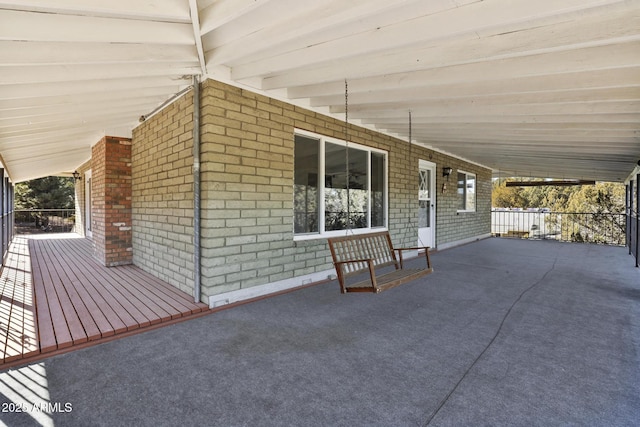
466,192
326,200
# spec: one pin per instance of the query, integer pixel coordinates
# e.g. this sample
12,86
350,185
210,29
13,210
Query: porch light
446,171
76,175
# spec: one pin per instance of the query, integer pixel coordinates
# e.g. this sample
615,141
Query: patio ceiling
547,88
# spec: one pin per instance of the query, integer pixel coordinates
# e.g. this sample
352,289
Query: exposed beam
562,183
60,73
19,53
580,33
154,10
298,26
555,63
197,35
470,109
222,12
502,118
45,90
27,26
422,95
24,104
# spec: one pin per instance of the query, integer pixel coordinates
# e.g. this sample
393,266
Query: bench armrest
426,254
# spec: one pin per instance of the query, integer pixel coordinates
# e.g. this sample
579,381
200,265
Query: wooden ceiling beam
549,183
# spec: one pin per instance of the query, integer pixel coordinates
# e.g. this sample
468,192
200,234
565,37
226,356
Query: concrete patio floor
504,332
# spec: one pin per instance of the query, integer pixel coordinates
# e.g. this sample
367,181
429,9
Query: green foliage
602,197
52,192
591,213
507,197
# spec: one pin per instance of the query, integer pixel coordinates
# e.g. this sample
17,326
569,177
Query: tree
507,197
589,212
52,192
605,201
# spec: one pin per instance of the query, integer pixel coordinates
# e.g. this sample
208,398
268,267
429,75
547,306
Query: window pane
305,192
345,201
471,193
461,191
424,184
377,190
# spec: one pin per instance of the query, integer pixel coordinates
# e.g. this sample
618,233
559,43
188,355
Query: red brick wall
111,182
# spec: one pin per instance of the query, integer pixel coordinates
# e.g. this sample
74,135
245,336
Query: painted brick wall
163,194
247,191
247,172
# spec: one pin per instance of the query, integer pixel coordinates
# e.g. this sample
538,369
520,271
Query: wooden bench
364,253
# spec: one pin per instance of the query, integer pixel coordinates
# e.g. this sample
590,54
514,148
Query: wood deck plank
61,330
132,317
22,312
11,309
128,287
10,349
70,317
4,319
122,288
89,326
11,313
62,297
167,293
146,294
119,318
171,295
105,328
105,319
44,324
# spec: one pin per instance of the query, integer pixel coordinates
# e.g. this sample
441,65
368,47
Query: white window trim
322,234
475,194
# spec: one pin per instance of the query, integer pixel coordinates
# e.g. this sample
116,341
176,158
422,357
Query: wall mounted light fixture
76,175
446,171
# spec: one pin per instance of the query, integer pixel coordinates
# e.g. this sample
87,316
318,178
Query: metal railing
587,227
31,221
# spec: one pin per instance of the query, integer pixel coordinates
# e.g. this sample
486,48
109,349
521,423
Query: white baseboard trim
239,295
453,244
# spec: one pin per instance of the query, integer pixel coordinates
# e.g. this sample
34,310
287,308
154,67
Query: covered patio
504,332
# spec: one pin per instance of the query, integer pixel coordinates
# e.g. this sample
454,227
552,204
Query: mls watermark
39,407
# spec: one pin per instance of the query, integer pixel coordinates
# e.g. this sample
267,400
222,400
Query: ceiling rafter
197,34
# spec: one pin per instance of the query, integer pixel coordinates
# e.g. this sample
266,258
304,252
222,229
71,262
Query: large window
330,195
466,191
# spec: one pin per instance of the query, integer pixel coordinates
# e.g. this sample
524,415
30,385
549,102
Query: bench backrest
376,246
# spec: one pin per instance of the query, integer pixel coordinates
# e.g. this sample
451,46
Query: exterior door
87,205
426,203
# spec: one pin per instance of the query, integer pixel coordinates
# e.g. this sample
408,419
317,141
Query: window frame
322,233
475,192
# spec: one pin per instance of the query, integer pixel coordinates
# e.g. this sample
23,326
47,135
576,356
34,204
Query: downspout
196,190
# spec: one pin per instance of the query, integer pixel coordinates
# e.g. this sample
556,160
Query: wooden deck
55,296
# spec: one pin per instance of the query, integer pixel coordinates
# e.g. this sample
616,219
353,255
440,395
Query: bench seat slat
388,280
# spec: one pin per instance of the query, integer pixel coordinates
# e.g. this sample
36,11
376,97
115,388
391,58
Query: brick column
111,201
